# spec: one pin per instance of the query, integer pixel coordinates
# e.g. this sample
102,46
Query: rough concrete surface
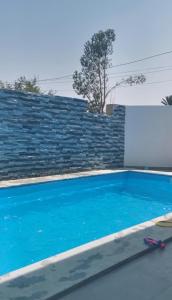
147,278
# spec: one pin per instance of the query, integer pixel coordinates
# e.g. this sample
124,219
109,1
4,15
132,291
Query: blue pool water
41,220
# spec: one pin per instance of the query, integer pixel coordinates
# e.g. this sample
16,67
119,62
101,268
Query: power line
145,73
119,76
141,70
157,82
118,65
162,69
55,78
141,59
126,86
57,82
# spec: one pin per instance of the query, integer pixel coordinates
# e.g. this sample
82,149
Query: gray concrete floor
146,278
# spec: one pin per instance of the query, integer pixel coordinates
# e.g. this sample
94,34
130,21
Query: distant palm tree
167,100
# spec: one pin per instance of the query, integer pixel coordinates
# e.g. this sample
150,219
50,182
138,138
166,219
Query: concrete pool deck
52,278
146,278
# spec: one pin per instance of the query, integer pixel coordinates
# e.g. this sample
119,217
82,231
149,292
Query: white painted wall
148,136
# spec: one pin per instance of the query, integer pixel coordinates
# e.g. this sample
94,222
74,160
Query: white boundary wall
148,136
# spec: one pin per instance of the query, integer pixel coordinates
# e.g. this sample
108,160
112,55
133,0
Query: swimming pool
41,220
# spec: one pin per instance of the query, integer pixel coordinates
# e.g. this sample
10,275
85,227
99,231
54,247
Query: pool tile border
60,273
32,180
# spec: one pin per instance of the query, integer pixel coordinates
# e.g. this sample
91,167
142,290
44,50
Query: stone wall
43,135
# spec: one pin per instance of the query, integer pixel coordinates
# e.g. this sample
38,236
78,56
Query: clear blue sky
45,38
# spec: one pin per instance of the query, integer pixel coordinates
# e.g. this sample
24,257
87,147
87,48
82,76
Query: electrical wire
113,66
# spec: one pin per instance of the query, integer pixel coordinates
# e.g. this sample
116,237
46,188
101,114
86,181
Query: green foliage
131,80
91,82
5,85
137,79
167,100
22,84
51,93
